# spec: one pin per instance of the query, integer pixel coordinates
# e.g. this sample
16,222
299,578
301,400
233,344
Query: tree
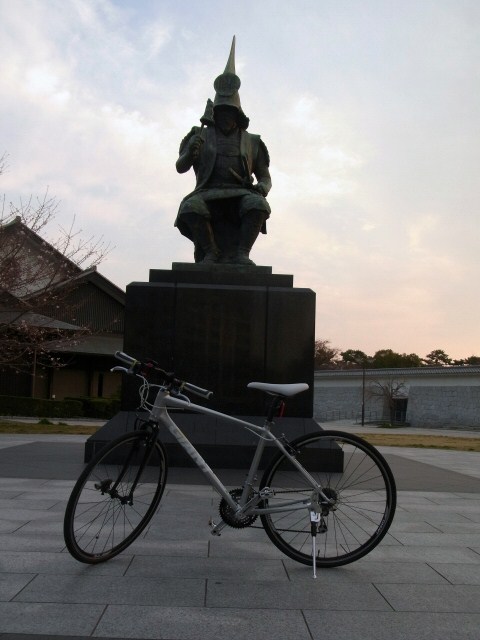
388,359
390,391
37,278
326,356
355,358
437,358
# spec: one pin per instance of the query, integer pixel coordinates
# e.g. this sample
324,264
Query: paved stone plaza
179,583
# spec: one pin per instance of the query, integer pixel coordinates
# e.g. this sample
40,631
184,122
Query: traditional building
65,322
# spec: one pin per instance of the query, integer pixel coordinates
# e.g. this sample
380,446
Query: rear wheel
115,497
351,473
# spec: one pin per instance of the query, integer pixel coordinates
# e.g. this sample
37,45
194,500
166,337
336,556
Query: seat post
275,405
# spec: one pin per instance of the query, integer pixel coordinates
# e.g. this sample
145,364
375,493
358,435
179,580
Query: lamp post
366,361
34,373
363,393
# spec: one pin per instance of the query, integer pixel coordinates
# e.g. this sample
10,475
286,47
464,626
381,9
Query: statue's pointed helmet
228,83
226,88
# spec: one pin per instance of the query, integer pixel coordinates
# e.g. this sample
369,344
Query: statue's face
226,118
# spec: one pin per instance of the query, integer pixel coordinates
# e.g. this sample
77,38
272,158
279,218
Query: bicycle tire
98,525
351,471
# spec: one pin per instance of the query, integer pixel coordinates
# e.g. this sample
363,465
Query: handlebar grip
192,388
124,357
203,393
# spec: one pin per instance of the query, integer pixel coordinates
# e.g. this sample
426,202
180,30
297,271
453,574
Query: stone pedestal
220,327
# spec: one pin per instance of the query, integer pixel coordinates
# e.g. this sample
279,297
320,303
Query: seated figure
225,213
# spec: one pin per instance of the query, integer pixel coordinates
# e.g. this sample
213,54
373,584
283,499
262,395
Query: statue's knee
190,218
254,216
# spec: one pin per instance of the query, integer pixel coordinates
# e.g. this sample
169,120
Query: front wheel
353,475
115,497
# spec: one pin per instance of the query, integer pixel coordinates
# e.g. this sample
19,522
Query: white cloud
369,113
155,37
420,229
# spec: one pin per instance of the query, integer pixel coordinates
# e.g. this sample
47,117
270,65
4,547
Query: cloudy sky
370,111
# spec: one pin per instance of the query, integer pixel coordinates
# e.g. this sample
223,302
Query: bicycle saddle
286,390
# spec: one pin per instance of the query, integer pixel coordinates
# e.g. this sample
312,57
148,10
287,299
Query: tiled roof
405,372
105,345
34,320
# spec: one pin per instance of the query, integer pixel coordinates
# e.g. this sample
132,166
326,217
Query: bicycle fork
110,486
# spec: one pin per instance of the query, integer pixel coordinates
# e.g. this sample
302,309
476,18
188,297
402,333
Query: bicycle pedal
213,525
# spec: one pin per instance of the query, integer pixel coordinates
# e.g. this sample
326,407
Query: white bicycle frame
159,413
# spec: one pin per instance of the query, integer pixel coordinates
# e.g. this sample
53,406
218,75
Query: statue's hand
194,146
260,188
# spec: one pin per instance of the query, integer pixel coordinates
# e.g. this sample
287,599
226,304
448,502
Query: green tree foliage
331,358
326,356
388,359
383,359
355,358
437,358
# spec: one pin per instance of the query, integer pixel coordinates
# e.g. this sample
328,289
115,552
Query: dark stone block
290,339
221,337
223,445
214,274
222,342
221,328
227,269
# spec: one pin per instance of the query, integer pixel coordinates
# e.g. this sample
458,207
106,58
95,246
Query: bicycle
325,499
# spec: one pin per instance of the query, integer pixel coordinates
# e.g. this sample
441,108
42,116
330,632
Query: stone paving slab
459,527
244,569
428,554
58,564
295,595
474,517
439,539
414,527
238,548
31,542
433,517
49,618
9,526
368,572
97,589
458,573
423,510
41,526
171,548
465,462
177,582
340,625
433,598
29,636
166,623
11,584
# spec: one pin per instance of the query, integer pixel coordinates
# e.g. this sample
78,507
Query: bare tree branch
389,390
37,278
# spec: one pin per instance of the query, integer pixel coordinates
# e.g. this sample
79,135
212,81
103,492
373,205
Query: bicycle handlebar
136,366
124,357
203,393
